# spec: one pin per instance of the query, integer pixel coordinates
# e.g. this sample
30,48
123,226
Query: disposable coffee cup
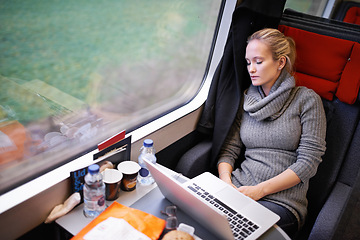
130,171
112,179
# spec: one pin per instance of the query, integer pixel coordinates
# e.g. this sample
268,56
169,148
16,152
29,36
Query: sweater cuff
227,160
303,175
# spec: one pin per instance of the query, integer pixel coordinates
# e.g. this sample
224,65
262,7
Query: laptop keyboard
240,225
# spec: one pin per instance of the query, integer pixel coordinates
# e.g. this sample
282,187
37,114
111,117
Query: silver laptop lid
189,203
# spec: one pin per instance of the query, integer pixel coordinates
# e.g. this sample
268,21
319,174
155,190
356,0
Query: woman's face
261,66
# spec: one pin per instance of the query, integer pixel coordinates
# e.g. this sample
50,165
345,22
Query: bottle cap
93,169
148,143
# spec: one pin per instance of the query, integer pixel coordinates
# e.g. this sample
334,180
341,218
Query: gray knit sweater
285,129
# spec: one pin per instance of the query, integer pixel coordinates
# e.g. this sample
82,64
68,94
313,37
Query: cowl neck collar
270,107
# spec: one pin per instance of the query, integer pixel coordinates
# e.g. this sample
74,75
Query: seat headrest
353,15
328,65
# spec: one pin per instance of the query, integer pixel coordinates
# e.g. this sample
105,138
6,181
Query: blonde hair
279,44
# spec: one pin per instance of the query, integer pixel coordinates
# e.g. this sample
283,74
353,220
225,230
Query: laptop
216,205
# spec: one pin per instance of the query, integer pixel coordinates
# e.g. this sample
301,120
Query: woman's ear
282,62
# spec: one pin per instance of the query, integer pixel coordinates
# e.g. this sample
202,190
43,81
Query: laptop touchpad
233,198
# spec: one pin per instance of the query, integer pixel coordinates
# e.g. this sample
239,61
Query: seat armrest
331,213
196,160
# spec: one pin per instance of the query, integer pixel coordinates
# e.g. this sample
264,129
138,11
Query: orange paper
144,222
18,136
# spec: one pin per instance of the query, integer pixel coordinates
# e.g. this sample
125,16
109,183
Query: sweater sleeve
312,141
231,148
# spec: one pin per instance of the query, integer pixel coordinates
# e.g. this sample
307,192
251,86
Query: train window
73,73
312,7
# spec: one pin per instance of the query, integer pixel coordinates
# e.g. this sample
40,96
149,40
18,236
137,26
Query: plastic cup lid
128,167
112,176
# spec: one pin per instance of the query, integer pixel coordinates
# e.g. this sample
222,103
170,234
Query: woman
282,129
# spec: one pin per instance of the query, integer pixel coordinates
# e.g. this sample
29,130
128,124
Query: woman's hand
226,177
254,192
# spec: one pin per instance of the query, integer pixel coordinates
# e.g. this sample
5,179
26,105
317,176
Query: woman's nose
252,68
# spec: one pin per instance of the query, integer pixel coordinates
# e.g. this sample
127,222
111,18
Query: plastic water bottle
147,151
94,192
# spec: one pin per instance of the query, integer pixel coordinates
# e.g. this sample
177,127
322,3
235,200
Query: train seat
328,64
353,15
349,12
